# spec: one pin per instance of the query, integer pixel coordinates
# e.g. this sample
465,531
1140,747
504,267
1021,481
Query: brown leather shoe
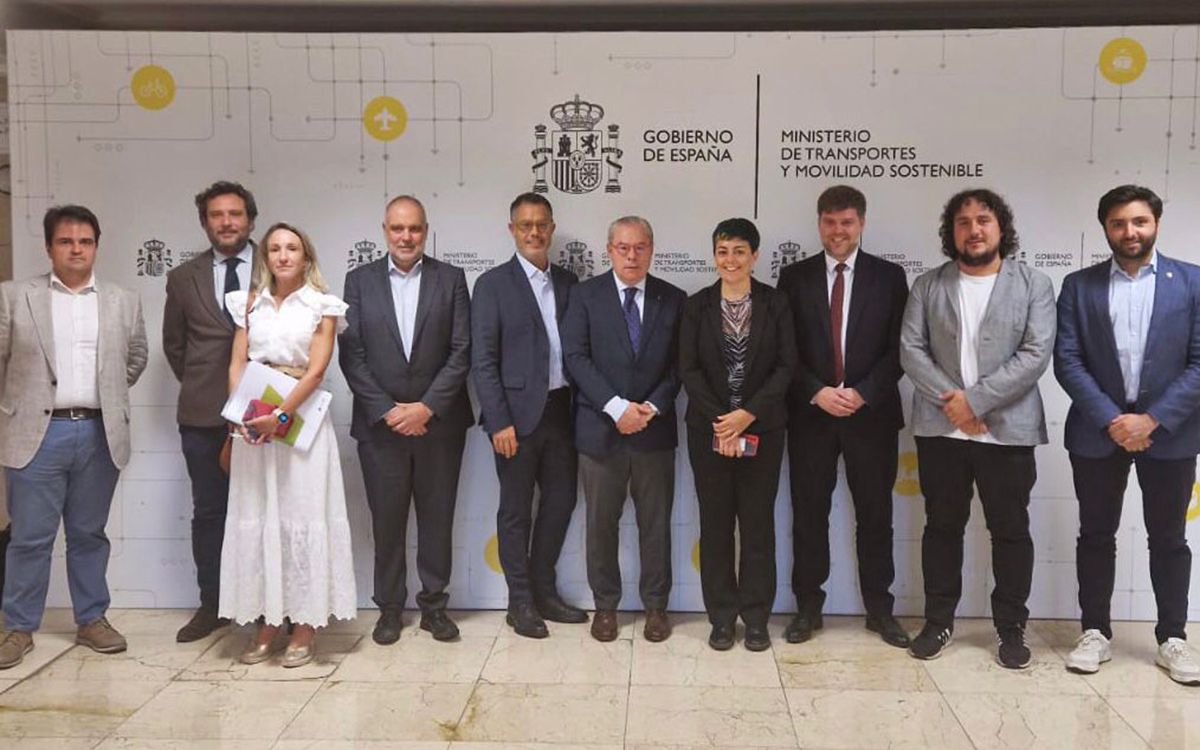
13,646
604,625
100,637
658,625
202,624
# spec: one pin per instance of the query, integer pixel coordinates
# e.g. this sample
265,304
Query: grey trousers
649,478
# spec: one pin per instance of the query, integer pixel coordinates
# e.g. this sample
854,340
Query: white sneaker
1179,661
1091,650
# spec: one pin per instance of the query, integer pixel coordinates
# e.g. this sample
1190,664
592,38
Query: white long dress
287,546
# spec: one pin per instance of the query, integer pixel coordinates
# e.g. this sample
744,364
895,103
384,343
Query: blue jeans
72,478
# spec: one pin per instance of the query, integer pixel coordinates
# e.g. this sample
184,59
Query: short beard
975,261
1147,248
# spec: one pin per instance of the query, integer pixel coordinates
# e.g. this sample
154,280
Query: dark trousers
210,499
546,458
1005,475
397,474
1166,491
870,451
649,478
737,493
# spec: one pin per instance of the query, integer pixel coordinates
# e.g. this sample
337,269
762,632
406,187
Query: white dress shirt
616,405
243,272
406,293
76,320
847,286
543,291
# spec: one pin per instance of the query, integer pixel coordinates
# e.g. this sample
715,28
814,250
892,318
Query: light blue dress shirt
243,272
406,293
1130,304
543,291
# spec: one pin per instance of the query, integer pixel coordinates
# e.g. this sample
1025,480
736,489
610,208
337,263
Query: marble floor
495,690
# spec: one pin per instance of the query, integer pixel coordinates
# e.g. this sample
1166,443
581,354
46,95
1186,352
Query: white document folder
262,382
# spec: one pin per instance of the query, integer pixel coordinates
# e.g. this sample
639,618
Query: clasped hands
840,402
258,430
1132,431
409,419
959,412
728,431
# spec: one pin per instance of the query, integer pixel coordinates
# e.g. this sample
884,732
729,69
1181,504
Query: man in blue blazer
1128,354
525,407
620,341
405,354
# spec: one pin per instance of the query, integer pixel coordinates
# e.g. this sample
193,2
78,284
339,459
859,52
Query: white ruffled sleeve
333,306
235,303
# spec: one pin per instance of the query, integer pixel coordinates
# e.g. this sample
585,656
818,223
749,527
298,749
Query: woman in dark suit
737,356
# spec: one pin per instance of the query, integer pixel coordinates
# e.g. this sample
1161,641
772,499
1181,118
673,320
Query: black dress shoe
892,633
802,627
525,620
757,638
554,609
387,629
437,622
721,637
204,622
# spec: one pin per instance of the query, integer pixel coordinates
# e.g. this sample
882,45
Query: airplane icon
384,119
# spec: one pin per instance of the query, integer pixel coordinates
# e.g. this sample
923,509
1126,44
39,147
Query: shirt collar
1149,268
411,273
305,294
622,286
246,254
531,271
831,262
56,282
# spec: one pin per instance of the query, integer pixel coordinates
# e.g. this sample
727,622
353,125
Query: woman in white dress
287,550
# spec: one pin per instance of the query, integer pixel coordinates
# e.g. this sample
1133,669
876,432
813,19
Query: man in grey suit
621,341
406,352
70,348
977,334
197,338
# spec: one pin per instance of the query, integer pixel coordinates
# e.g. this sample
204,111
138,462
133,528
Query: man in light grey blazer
977,334
70,348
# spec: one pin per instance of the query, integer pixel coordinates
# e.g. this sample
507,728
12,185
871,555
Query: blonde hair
262,273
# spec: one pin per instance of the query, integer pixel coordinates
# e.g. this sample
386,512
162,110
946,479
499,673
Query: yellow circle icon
696,555
1193,510
907,482
384,118
491,555
153,87
1122,60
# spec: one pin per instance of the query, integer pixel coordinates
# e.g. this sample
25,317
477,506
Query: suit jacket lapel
425,298
559,280
383,288
819,294
616,311
106,305
652,305
758,321
1164,289
38,298
1099,313
203,279
860,295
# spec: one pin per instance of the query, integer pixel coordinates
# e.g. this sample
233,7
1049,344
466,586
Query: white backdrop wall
134,124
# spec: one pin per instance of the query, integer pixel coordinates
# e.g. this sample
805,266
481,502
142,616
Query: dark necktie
835,323
633,323
231,281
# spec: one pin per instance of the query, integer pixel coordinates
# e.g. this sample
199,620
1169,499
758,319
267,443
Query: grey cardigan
1016,339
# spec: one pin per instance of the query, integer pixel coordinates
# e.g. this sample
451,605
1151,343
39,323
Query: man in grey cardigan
978,333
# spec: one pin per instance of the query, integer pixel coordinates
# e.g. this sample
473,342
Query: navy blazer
602,362
770,359
371,351
872,357
510,352
1085,361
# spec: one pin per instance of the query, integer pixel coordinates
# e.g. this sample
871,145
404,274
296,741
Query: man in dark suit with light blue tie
525,408
620,341
406,354
1128,354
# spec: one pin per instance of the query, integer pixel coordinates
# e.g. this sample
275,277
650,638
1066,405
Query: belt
293,372
76,413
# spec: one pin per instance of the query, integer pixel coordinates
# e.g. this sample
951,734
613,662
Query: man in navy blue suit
1128,354
620,341
525,407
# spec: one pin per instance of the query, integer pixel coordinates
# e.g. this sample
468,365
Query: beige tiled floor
495,691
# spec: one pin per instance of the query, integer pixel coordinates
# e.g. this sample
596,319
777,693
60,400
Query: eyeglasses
639,249
525,227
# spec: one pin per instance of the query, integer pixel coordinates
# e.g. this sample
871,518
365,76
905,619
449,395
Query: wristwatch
280,415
